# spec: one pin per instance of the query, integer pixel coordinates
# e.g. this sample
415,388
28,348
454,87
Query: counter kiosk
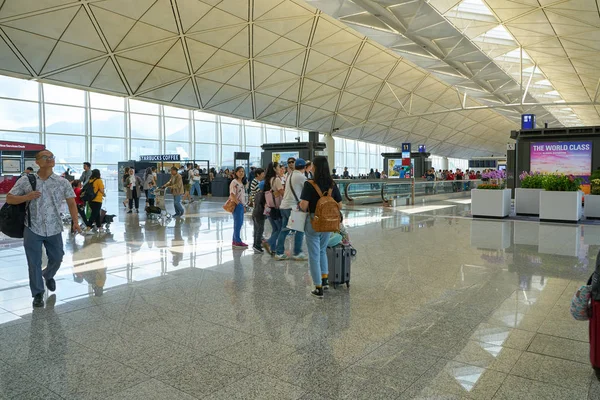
14,158
163,164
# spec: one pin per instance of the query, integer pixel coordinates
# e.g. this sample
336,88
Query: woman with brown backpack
321,198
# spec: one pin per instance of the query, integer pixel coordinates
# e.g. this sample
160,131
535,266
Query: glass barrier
400,191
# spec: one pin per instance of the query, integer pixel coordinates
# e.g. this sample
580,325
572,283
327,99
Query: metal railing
400,191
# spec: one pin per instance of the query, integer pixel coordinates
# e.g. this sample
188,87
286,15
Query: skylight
473,7
498,32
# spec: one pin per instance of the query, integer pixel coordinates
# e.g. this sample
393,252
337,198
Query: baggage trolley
159,194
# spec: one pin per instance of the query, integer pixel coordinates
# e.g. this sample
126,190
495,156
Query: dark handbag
12,216
275,214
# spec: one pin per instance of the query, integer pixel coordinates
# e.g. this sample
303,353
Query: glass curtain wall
83,126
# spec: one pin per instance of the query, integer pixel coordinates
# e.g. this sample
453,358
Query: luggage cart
160,197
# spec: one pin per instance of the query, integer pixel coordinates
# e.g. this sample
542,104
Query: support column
444,163
330,143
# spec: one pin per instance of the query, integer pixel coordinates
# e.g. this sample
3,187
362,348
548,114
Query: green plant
531,180
561,183
595,186
490,186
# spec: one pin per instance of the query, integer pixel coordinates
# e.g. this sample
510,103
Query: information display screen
563,157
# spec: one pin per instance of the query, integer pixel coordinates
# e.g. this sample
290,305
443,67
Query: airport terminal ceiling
453,75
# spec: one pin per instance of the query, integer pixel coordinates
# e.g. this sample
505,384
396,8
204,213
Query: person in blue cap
291,199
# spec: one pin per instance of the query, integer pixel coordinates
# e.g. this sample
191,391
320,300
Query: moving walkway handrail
387,183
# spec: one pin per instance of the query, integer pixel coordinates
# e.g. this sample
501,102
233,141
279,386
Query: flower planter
560,206
527,201
592,206
488,203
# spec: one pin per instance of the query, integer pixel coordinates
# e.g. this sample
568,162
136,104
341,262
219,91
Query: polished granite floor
440,307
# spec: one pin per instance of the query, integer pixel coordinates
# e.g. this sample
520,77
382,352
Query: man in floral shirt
44,226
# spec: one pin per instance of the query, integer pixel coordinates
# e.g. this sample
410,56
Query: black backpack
185,177
259,204
12,216
87,193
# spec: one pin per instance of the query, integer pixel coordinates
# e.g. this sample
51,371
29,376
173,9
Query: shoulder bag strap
33,182
293,191
317,189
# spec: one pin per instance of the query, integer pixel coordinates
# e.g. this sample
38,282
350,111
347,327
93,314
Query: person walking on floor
176,186
291,199
86,174
133,189
237,191
43,224
96,203
196,190
149,183
316,242
76,185
273,194
124,180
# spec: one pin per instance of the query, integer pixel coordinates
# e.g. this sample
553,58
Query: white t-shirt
295,180
196,175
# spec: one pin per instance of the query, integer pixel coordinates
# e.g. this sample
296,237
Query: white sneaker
300,257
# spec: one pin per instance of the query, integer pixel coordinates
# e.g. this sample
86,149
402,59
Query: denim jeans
196,189
178,206
238,220
33,251
275,229
316,243
298,237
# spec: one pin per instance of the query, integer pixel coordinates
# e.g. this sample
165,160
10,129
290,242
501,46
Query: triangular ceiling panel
161,15
216,18
224,74
9,61
52,24
81,32
149,54
133,9
65,54
158,77
234,7
218,38
219,59
34,48
143,33
108,79
186,96
165,93
225,93
207,89
175,59
114,26
82,75
12,8
191,11
135,72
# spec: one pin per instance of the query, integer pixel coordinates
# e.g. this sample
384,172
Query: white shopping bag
297,220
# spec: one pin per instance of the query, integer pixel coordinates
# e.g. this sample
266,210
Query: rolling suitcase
594,328
339,259
595,338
